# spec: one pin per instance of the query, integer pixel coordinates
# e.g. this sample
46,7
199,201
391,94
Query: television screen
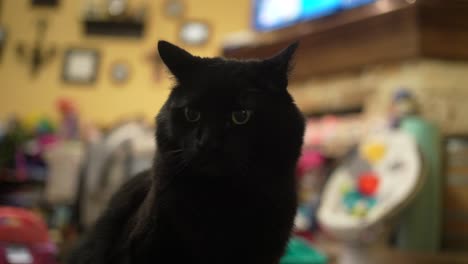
275,14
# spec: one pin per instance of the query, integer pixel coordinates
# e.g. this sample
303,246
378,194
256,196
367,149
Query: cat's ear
177,60
278,67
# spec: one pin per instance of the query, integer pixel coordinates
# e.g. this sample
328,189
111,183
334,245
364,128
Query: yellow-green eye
241,117
192,115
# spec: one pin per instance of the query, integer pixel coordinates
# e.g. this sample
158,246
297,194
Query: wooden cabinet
455,220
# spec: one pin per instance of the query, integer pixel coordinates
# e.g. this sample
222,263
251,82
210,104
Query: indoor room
246,131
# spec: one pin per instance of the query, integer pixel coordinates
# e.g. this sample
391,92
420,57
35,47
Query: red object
66,106
307,235
21,226
368,183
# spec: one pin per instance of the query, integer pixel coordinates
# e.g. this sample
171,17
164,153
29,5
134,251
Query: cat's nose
208,144
208,140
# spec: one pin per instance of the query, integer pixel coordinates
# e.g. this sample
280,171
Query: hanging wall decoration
120,72
80,66
116,8
194,32
174,9
37,55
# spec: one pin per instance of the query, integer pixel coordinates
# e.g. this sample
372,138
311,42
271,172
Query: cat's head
224,115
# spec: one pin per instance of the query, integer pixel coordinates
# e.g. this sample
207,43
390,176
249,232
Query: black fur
219,192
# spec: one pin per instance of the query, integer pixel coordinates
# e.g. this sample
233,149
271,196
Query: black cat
222,189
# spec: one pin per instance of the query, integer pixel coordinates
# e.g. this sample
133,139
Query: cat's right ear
177,60
276,69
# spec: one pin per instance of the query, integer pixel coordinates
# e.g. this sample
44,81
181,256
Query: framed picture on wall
80,66
174,8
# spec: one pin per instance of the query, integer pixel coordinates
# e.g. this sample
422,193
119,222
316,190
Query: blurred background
383,84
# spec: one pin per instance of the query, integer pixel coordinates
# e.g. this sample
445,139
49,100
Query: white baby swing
364,194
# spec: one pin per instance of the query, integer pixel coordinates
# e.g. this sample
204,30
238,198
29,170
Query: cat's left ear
278,67
178,61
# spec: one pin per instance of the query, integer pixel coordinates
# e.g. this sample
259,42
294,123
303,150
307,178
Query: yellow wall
102,102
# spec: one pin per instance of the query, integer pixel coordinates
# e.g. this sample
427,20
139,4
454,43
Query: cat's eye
241,117
192,115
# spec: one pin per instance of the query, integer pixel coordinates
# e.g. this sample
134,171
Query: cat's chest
240,204
220,216
215,198
199,201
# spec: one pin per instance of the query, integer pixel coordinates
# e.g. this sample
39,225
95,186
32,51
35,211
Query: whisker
175,151
172,152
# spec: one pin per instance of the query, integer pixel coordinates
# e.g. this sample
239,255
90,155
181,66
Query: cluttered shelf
65,172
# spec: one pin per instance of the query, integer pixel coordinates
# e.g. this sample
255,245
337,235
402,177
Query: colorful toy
368,183
358,204
30,122
373,152
45,126
70,120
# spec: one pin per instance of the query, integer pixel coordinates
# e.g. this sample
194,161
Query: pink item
46,141
309,160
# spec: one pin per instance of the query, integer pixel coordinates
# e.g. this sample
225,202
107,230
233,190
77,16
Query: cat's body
222,189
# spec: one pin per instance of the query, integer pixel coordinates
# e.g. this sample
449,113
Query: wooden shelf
114,28
386,31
